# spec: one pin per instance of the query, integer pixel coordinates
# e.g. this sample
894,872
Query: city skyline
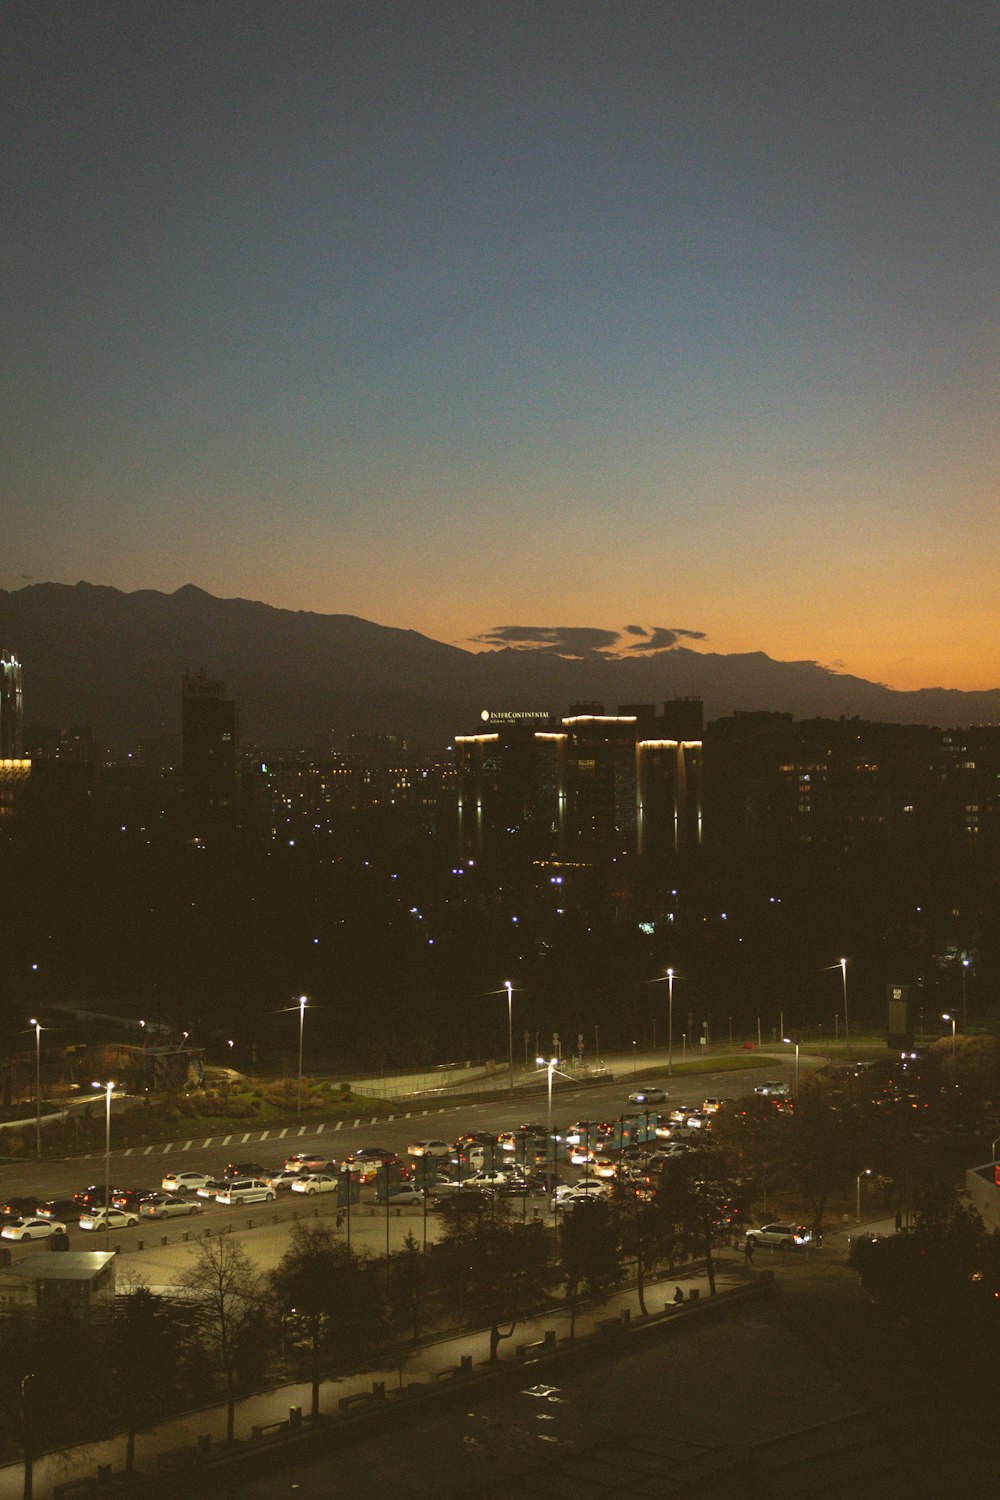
548,324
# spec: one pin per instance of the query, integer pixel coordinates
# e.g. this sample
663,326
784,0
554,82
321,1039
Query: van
246,1190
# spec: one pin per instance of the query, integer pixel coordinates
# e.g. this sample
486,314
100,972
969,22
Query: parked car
132,1199
213,1187
307,1161
784,1236
93,1196
281,1177
183,1182
429,1148
109,1218
316,1182
19,1207
487,1181
31,1227
245,1190
648,1096
164,1206
406,1193
66,1210
592,1188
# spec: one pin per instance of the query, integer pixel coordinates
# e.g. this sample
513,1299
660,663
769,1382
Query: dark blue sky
464,315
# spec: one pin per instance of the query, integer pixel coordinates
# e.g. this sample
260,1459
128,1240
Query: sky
504,319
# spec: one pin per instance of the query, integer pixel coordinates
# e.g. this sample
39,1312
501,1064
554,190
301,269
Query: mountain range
114,661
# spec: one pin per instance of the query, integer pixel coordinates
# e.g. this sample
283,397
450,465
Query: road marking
338,1124
147,1150
226,1139
126,1152
356,1124
187,1145
265,1134
245,1139
282,1133
207,1142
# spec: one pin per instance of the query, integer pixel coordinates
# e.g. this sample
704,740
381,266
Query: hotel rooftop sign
515,716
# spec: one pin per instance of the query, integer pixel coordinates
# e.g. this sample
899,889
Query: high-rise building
590,785
208,754
14,768
11,708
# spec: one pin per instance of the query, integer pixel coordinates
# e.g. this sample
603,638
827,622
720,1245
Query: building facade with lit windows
15,768
588,786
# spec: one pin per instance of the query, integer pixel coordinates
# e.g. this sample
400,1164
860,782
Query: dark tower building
208,733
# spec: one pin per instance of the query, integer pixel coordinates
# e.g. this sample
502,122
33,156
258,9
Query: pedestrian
748,1248
678,1295
899,1221
340,1218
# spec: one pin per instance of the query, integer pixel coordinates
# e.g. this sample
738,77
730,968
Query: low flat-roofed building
78,1280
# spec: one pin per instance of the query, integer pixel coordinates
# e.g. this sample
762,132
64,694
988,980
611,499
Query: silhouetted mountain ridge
95,655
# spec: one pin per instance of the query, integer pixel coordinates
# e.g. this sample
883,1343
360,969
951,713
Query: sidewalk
424,1365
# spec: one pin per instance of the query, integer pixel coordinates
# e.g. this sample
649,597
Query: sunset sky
509,313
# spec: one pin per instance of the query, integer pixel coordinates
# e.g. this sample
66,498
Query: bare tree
231,1304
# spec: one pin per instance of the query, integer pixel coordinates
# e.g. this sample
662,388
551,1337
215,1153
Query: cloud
582,641
560,640
660,637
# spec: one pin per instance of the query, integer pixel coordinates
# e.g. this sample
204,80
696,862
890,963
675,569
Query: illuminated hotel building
586,786
14,768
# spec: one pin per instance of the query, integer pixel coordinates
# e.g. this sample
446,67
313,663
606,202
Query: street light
965,971
550,1063
951,1018
633,1060
788,1042
510,1030
302,1025
843,971
108,1091
866,1173
670,1020
38,1087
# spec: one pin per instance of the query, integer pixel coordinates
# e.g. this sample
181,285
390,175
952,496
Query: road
167,1244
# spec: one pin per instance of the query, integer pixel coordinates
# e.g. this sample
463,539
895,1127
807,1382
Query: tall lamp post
948,1017
38,1087
670,1020
550,1064
789,1043
510,1030
842,963
302,1027
109,1089
866,1173
965,971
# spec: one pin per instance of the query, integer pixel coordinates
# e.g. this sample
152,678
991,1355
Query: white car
163,1206
316,1182
648,1096
429,1148
407,1192
32,1229
486,1180
245,1190
183,1182
588,1188
283,1178
771,1090
109,1218
785,1236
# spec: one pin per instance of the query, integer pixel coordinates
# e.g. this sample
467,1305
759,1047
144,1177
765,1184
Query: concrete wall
984,1194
